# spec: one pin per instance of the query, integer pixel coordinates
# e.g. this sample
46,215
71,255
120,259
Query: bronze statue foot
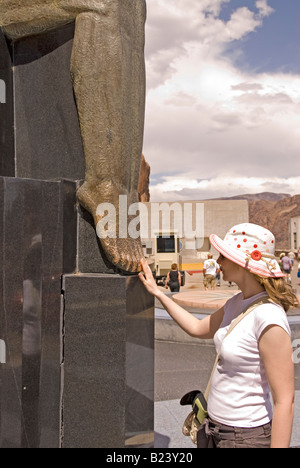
103,202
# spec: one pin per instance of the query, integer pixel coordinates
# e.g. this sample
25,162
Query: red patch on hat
256,255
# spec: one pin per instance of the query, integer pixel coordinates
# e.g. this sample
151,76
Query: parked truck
166,252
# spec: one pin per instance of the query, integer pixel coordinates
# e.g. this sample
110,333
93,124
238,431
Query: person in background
173,280
210,272
292,256
280,260
219,278
287,266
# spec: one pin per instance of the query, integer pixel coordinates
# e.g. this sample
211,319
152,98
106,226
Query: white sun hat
250,246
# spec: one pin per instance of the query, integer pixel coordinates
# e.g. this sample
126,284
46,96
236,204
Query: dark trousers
174,286
239,437
221,436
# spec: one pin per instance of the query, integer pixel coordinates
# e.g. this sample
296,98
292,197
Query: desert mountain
267,196
144,181
273,211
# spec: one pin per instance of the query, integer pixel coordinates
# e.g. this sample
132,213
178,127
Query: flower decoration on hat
256,255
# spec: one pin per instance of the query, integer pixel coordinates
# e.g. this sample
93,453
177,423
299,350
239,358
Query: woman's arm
205,328
276,352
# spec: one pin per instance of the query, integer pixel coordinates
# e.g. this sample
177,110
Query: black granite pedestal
78,337
32,262
108,362
40,108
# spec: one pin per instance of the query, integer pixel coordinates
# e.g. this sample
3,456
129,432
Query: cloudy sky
223,97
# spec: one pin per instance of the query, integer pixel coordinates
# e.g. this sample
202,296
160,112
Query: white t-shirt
211,267
240,394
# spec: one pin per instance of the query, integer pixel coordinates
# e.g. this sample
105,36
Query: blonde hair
279,291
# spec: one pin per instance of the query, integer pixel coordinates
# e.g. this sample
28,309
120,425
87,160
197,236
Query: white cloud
205,116
172,189
173,26
264,8
242,22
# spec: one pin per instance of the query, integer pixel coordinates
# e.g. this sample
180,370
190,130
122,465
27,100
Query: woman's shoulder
270,314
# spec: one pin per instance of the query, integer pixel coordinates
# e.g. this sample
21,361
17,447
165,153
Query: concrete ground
183,364
181,367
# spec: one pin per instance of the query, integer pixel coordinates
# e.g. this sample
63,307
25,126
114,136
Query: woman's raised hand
146,277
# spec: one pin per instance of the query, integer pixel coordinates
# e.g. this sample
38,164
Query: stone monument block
108,394
78,369
42,135
32,259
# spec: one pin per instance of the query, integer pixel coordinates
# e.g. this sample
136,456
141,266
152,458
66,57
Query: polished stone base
90,255
108,398
78,370
31,265
40,133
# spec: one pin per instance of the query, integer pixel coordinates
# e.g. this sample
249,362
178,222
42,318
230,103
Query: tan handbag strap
247,311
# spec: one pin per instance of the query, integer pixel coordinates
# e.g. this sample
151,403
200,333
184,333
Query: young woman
256,358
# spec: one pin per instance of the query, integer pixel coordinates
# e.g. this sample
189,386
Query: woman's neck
249,286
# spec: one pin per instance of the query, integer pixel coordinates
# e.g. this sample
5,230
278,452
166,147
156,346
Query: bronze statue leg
109,82
21,18
108,75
